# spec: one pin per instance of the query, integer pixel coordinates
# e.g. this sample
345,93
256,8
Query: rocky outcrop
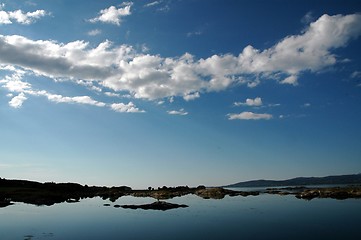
336,193
219,193
309,193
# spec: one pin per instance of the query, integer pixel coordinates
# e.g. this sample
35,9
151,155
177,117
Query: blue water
259,217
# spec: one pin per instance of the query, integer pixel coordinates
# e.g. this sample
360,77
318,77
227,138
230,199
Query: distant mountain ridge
302,181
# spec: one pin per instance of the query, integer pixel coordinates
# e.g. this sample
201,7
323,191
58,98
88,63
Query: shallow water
259,217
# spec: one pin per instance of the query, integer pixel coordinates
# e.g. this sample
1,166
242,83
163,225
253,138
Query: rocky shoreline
309,193
51,193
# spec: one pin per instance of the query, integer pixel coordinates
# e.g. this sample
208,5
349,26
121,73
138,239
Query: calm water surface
260,217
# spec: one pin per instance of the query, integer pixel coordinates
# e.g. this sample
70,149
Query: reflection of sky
260,217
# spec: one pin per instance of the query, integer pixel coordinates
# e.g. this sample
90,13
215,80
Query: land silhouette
302,181
49,193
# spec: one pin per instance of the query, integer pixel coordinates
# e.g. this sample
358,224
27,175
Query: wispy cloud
14,84
161,6
113,15
195,33
94,32
180,112
356,74
151,4
249,116
308,18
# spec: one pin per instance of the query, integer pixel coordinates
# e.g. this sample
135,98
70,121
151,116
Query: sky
179,92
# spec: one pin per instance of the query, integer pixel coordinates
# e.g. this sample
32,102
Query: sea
253,217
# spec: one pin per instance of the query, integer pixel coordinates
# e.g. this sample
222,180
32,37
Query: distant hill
302,181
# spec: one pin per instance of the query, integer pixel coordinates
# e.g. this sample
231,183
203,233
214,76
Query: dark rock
219,193
159,205
335,193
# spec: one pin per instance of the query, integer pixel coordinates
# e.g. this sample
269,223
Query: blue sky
153,93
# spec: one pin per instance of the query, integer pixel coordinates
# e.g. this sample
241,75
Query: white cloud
191,96
250,102
306,105
180,112
17,86
195,33
79,99
356,74
94,32
290,80
17,102
123,69
56,60
111,94
249,116
113,15
19,16
151,4
129,108
14,83
274,105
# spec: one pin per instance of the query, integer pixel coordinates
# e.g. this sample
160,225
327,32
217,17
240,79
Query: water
259,217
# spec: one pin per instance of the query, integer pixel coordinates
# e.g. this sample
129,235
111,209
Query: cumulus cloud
113,15
7,17
56,60
249,116
180,112
129,108
250,102
146,76
17,102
